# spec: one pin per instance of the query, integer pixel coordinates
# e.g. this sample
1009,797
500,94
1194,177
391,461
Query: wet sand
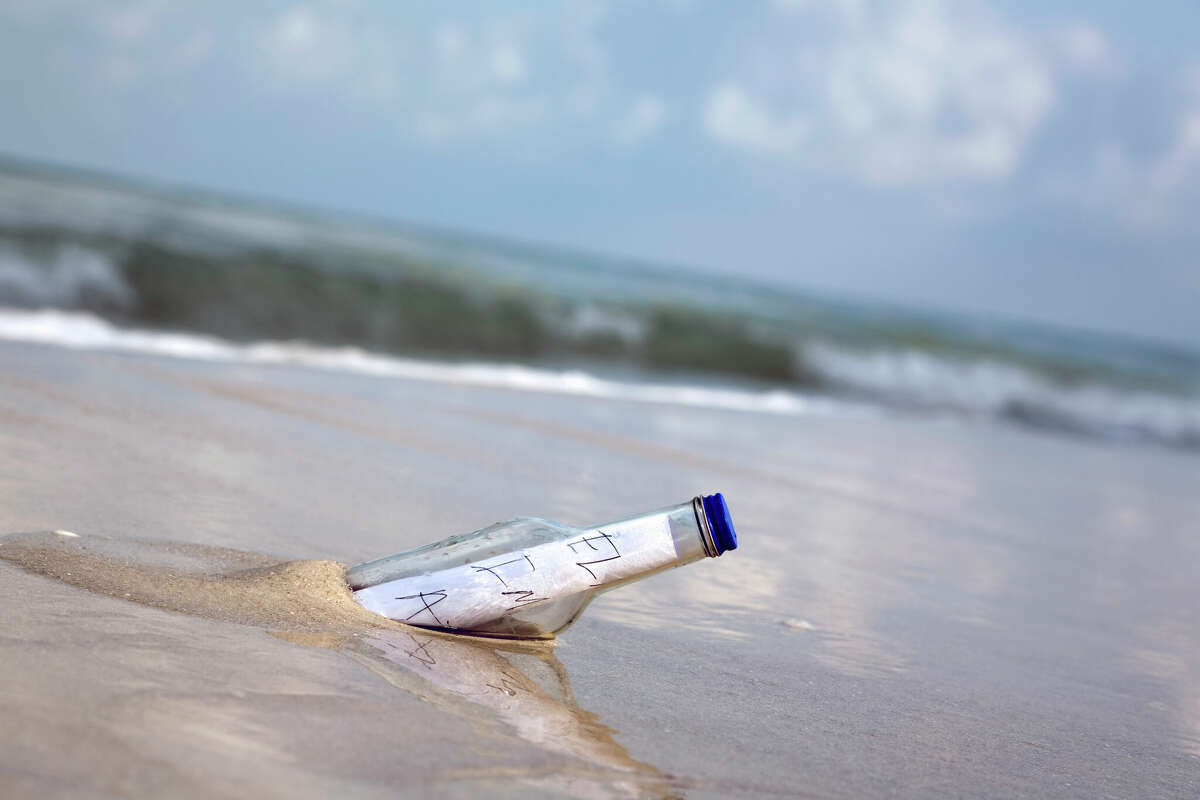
212,582
917,608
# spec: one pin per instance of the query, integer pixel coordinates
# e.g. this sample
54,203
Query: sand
917,608
217,583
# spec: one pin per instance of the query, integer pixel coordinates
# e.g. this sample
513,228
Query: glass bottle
531,578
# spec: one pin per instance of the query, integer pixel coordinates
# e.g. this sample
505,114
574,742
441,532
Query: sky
1036,160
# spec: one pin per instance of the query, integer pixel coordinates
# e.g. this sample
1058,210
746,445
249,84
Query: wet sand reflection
525,687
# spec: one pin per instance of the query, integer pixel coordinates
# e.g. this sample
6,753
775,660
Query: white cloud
297,30
1150,191
513,80
532,84
734,118
303,44
432,127
850,10
508,63
318,50
1181,161
932,93
1085,48
645,117
128,36
449,42
131,23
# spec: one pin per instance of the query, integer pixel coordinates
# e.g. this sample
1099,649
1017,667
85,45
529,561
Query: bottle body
531,578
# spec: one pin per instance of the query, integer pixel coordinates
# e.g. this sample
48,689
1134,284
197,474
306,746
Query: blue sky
1027,159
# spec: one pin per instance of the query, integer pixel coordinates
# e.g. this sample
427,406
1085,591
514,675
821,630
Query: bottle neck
685,523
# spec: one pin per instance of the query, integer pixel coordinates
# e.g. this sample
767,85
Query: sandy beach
917,607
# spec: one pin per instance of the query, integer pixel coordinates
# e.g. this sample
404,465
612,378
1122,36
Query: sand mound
212,582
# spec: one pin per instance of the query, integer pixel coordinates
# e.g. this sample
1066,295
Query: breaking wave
79,330
860,384
1008,392
68,276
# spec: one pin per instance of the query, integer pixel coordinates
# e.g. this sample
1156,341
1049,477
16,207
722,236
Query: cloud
1176,170
852,10
532,83
130,23
1084,48
303,45
1181,160
734,118
931,93
644,118
1151,191
507,63
449,42
129,36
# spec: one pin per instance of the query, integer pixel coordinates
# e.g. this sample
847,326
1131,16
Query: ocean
96,262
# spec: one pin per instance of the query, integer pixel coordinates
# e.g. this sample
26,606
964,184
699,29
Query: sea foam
84,331
862,384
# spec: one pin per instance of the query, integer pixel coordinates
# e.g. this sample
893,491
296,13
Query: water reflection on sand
523,686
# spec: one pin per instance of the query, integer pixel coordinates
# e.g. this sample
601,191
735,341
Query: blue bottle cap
717,513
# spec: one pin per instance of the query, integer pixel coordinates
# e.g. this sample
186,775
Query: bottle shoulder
458,550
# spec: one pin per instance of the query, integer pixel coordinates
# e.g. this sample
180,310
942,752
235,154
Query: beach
919,606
